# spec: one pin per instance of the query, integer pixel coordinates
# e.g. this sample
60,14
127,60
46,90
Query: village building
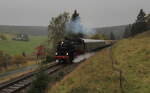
21,37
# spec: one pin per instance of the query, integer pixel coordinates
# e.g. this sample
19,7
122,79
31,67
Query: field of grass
97,75
17,47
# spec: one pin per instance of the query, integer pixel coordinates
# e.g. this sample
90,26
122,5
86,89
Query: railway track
26,80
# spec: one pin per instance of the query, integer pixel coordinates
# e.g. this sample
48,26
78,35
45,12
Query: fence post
118,70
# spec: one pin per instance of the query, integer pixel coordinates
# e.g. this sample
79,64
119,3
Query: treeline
30,30
139,26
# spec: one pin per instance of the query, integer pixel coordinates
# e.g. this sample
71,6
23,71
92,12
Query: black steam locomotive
68,49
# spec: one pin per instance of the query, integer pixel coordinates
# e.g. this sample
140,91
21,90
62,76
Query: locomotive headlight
56,53
67,54
57,60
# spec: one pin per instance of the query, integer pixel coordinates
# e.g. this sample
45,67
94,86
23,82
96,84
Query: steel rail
24,81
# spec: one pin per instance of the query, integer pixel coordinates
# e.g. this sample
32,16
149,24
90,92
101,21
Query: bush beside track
98,75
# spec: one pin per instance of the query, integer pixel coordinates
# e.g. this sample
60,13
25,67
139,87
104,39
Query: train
68,49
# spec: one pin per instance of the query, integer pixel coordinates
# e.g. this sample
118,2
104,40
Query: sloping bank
97,75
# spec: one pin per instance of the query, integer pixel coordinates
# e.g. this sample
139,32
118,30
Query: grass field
17,47
133,58
96,75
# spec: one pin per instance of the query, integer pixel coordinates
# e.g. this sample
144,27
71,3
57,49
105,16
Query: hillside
41,30
133,58
118,31
30,30
97,75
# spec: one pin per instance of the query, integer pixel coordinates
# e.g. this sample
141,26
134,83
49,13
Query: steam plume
75,25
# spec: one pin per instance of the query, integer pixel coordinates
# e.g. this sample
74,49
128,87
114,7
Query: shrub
40,83
49,58
18,60
3,37
5,59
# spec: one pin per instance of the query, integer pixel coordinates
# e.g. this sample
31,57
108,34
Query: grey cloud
94,13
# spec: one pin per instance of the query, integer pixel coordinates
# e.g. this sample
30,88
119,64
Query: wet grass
133,57
94,76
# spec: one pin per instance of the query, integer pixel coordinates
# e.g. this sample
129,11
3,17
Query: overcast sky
93,13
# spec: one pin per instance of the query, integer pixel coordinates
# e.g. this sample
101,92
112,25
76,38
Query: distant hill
118,31
30,30
42,31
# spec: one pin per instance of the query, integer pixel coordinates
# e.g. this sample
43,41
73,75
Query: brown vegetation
8,62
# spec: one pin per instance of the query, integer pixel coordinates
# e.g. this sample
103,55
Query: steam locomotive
68,49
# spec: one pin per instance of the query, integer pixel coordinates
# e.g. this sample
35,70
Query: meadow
17,47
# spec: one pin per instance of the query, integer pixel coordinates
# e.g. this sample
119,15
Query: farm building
21,37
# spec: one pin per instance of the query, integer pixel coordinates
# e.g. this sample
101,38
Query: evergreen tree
140,25
141,16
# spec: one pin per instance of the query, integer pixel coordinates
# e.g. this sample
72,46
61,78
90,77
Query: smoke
76,26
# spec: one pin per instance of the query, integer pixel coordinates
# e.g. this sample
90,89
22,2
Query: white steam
75,26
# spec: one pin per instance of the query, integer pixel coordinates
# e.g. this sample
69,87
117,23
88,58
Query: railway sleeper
7,90
19,85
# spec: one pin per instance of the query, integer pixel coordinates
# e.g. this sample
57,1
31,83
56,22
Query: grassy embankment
133,58
96,75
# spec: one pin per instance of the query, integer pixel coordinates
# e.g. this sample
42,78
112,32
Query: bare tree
56,29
